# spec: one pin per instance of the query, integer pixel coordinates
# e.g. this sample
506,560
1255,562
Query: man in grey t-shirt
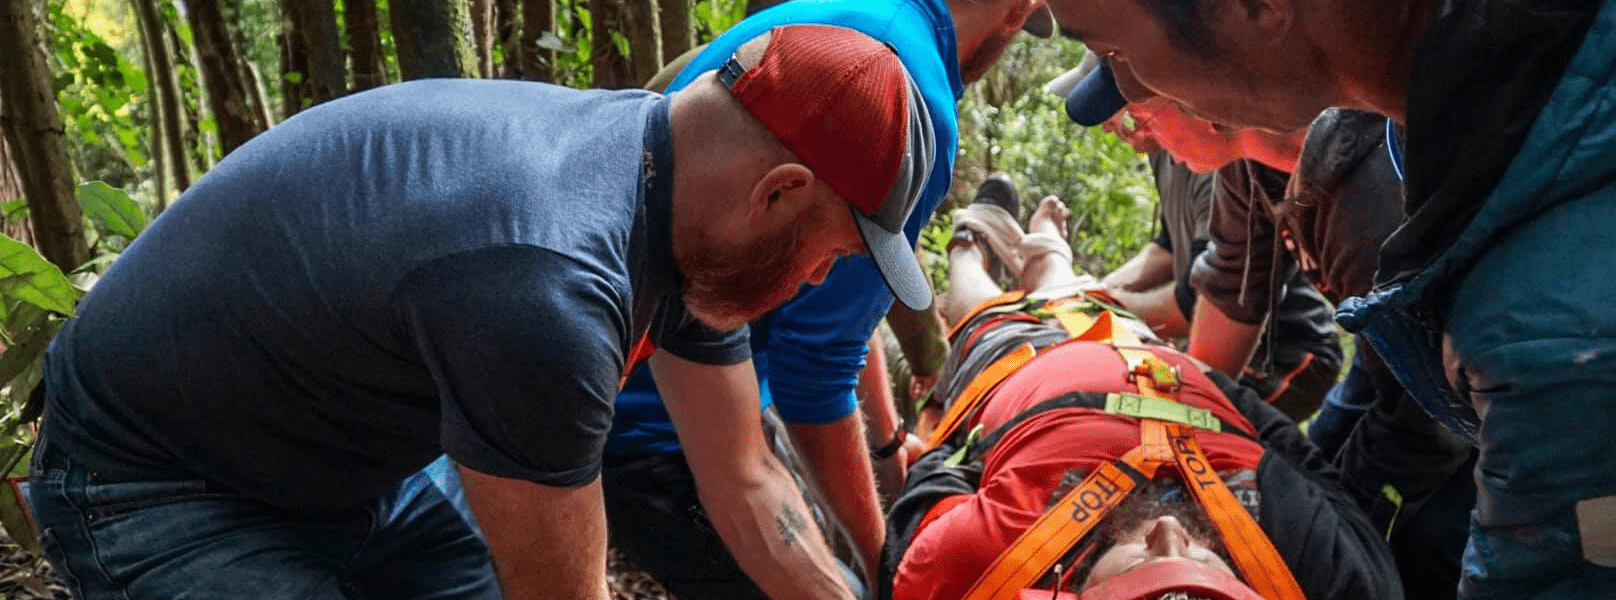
462,267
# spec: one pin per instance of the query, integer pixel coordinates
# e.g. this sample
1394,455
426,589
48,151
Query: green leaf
294,77
111,209
27,276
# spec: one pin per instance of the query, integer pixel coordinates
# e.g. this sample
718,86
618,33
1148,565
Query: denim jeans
1344,405
188,539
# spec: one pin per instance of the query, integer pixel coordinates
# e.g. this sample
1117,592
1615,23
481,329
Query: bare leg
968,281
1048,269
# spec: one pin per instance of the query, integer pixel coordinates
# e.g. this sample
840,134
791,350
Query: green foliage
100,92
713,17
111,209
1009,124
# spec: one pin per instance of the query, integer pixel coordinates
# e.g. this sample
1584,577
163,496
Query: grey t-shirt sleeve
525,347
674,329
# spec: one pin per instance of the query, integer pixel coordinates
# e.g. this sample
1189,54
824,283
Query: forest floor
24,576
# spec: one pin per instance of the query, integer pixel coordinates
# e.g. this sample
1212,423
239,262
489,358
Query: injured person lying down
1075,459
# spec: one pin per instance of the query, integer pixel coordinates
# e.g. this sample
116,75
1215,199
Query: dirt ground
26,577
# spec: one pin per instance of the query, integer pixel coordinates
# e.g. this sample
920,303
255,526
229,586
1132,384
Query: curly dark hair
1158,498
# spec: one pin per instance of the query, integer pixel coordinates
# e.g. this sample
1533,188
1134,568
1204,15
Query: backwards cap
1091,91
843,103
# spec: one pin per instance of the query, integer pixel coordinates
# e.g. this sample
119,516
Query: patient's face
1156,539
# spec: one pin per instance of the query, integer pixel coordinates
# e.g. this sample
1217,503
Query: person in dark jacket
1324,222
1491,302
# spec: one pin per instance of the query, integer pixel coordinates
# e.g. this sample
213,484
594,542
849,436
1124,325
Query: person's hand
920,385
913,447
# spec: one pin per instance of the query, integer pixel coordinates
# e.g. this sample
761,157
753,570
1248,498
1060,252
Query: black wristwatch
899,435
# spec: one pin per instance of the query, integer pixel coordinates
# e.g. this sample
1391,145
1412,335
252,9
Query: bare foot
1050,217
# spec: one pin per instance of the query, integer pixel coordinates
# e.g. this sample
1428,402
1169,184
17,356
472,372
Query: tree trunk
364,44
673,18
645,53
538,17
482,36
612,68
431,38
167,91
262,113
508,34
227,92
190,113
32,126
325,77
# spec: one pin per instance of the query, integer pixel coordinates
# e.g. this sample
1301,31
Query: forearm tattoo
791,523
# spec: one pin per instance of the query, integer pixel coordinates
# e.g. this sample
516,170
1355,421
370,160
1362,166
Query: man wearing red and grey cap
242,405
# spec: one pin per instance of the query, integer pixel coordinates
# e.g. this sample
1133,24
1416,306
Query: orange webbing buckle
972,397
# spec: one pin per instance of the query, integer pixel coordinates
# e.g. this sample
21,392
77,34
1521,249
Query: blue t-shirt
808,352
436,266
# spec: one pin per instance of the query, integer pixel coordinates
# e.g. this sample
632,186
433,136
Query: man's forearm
546,542
837,458
753,502
920,335
1221,342
767,527
1158,307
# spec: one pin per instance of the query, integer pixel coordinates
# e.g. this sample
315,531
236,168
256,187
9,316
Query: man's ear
785,185
1271,19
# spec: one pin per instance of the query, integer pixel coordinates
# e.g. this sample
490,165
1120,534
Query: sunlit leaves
111,209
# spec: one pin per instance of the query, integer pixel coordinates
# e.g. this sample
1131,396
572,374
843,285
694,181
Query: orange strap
969,400
637,353
1037,549
1253,553
1010,297
1160,442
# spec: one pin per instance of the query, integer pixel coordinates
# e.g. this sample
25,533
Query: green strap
1145,407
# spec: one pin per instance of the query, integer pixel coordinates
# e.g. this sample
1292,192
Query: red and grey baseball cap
843,103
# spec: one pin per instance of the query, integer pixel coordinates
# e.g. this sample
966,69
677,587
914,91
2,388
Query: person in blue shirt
808,352
243,404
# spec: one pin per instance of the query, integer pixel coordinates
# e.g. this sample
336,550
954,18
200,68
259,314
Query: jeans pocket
111,499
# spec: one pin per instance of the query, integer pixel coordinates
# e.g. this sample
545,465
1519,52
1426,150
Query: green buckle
958,456
1145,407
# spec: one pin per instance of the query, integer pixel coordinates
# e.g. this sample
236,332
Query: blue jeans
188,539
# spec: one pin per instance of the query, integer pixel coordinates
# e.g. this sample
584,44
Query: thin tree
482,36
431,38
673,25
364,44
160,63
538,18
324,74
644,51
508,35
630,20
227,91
185,80
245,67
32,126
294,66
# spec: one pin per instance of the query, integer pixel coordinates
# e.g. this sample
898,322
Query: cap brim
895,259
1096,98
